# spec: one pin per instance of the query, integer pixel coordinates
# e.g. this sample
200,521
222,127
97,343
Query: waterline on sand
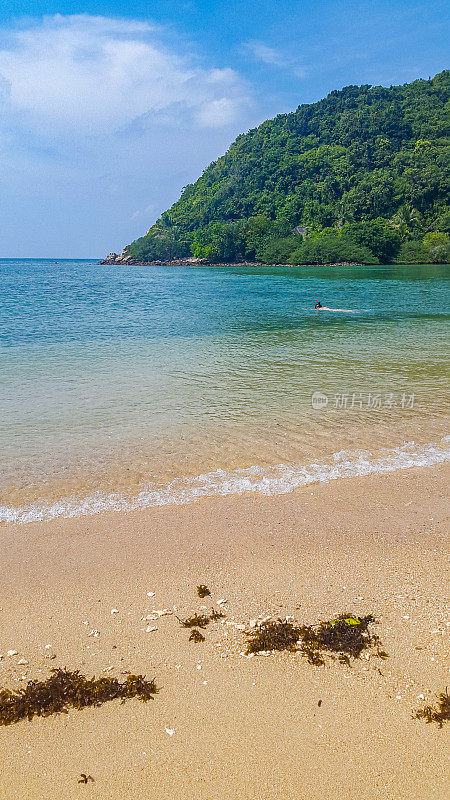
272,480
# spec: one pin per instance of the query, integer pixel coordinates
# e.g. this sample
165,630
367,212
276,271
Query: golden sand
224,726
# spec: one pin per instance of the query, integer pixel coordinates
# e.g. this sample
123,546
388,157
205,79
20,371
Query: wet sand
243,728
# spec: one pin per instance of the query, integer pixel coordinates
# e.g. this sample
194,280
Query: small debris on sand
197,621
203,590
85,778
439,713
196,636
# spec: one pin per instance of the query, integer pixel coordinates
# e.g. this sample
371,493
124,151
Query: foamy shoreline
279,479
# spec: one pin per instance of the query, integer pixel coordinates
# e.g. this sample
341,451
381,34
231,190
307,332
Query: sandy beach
223,725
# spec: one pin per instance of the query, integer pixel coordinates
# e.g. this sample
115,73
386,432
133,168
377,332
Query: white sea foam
278,479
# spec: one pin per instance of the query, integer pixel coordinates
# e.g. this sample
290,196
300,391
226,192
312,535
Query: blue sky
106,113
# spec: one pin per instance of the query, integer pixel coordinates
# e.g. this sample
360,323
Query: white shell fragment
94,633
164,613
222,602
150,594
12,653
151,628
22,661
114,611
170,731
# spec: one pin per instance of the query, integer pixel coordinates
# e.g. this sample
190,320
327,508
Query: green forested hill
361,176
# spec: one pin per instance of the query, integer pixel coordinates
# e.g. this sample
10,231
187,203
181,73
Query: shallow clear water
116,378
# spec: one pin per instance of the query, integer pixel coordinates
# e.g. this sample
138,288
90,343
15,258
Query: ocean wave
272,480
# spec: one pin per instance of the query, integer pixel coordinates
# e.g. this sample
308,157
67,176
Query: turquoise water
116,378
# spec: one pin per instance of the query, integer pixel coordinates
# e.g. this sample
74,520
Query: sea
125,387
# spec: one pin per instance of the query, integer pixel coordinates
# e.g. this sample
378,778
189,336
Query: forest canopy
361,176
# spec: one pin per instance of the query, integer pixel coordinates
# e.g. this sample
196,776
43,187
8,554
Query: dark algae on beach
201,620
439,713
345,637
64,689
273,635
84,778
196,636
196,621
203,590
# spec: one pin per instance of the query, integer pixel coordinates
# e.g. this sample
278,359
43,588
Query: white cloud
275,58
99,74
102,122
268,55
217,113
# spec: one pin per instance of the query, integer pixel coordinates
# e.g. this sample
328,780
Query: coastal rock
126,258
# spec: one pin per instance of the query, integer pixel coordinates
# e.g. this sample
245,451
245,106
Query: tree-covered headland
361,176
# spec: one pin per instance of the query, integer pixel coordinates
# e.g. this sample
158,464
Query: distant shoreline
114,259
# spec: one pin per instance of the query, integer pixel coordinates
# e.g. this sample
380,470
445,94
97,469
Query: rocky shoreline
125,259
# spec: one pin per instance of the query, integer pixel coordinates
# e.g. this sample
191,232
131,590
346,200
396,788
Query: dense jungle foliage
361,176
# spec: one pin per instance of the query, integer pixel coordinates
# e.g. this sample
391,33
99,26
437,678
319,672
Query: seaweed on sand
273,635
216,614
203,590
346,636
196,636
196,621
439,713
64,689
200,620
84,778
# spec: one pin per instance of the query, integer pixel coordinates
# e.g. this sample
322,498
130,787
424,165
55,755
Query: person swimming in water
318,305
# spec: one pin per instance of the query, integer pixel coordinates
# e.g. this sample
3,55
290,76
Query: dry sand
244,728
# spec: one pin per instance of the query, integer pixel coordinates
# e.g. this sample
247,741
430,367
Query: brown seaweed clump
201,620
440,713
203,590
196,636
85,778
64,690
273,635
196,621
216,614
346,636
